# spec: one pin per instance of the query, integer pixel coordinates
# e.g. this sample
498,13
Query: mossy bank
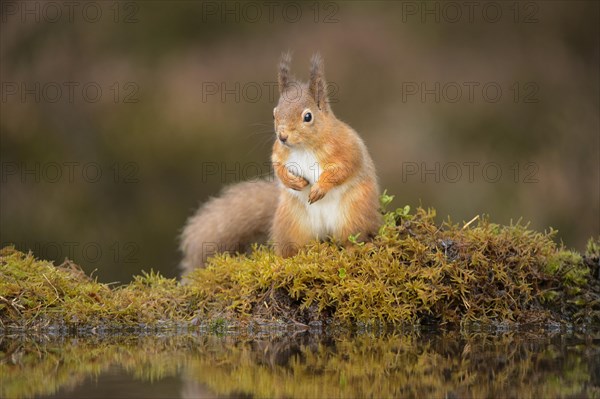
415,271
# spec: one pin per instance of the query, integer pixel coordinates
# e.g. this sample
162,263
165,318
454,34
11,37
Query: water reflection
413,364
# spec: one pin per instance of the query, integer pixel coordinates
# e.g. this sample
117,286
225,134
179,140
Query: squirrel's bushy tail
241,215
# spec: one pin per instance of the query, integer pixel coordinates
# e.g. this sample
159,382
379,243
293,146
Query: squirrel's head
303,108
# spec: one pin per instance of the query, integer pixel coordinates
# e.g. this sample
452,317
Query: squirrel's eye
307,117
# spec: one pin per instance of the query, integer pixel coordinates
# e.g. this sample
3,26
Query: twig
11,305
55,290
470,221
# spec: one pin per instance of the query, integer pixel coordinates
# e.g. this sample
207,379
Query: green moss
407,364
569,266
592,249
36,294
414,271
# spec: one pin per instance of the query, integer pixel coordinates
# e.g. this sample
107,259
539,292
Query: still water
420,364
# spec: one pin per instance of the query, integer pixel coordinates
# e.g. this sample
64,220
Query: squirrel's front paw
316,193
297,183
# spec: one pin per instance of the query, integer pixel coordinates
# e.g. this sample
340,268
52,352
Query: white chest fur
327,216
303,163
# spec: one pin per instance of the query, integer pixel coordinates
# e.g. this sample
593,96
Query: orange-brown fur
343,201
341,156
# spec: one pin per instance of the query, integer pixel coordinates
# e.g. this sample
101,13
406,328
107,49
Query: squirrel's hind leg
363,215
289,231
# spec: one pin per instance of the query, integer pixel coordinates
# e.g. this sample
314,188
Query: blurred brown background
118,118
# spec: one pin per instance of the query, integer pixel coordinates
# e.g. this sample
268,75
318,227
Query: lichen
415,271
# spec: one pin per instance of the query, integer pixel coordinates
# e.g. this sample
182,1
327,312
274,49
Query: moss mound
415,271
35,294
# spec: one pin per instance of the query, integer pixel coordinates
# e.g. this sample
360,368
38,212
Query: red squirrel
326,185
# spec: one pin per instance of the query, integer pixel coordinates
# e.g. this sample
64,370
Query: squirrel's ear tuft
317,86
283,75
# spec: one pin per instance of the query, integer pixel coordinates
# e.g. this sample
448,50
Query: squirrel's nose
283,138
